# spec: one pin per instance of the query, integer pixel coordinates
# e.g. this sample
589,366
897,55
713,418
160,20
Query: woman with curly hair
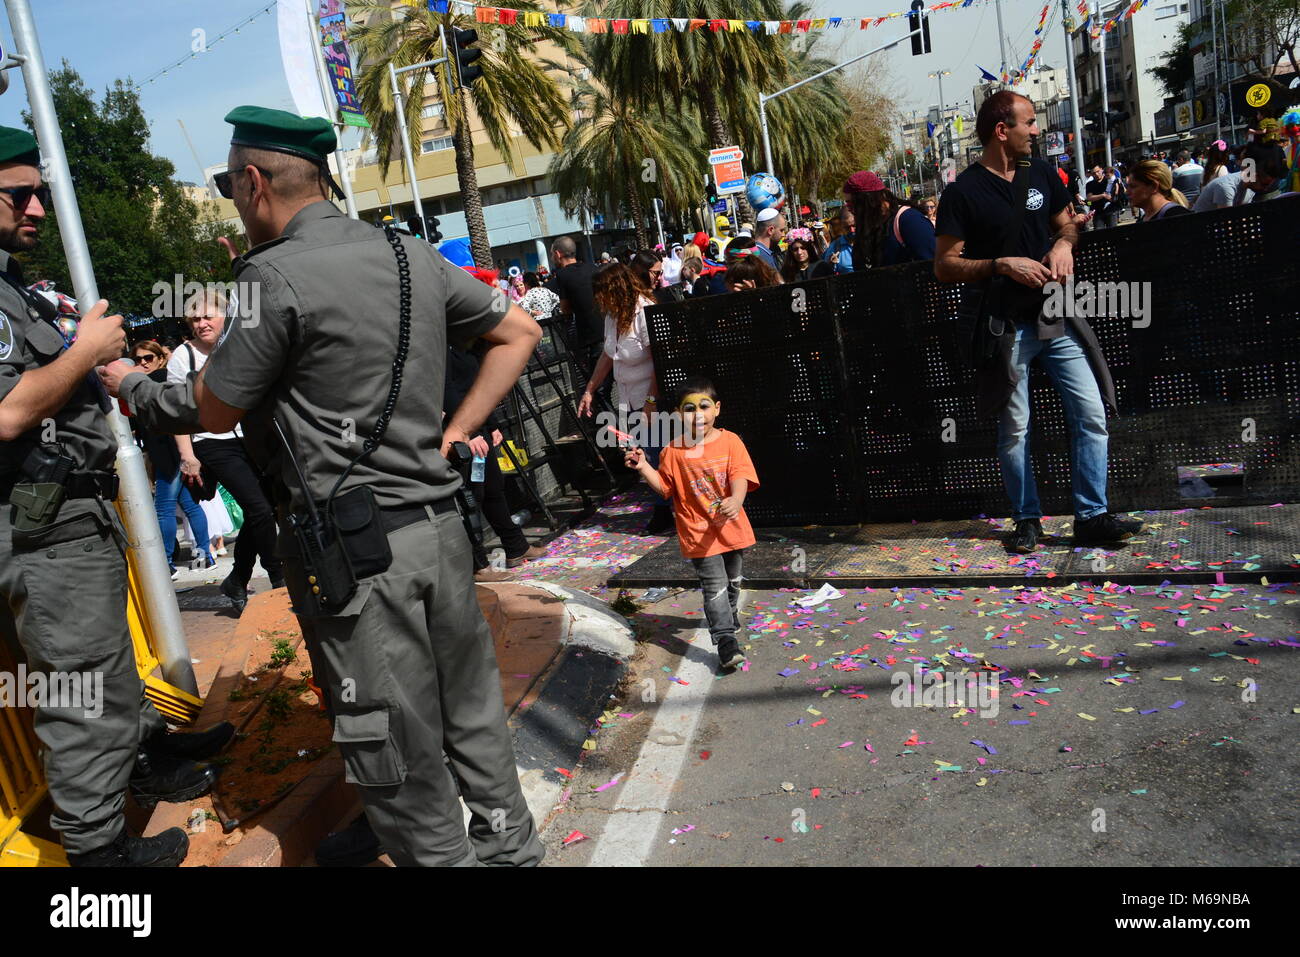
622,294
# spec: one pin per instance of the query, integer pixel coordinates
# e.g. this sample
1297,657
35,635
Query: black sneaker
354,846
729,653
237,593
1130,525
158,777
1024,539
168,849
195,746
1102,530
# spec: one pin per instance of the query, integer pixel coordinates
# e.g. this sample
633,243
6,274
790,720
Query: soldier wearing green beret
63,573
308,367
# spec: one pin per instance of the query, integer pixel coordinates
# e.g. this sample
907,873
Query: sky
141,37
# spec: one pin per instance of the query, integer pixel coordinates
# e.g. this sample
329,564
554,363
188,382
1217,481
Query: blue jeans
1067,364
167,491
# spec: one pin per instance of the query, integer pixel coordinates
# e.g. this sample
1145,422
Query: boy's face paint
698,412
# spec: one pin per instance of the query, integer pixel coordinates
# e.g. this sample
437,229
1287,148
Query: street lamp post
940,74
764,97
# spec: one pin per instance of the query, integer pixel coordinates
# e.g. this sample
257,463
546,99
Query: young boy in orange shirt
707,472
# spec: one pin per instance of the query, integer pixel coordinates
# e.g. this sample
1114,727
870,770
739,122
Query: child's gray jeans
720,577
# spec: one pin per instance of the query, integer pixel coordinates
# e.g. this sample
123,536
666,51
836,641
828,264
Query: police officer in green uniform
63,573
333,360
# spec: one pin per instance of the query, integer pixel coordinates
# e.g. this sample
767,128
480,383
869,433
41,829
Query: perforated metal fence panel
853,400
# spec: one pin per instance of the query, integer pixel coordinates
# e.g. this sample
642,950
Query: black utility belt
79,485
346,541
402,516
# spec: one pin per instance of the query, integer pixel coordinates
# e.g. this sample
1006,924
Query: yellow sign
1258,95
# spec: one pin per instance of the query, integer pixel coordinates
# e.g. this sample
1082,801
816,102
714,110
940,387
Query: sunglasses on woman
144,357
21,196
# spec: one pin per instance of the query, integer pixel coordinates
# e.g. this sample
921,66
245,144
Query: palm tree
515,93
714,72
618,152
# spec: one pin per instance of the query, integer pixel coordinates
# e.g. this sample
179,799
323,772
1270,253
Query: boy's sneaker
729,653
1024,539
1103,530
1130,525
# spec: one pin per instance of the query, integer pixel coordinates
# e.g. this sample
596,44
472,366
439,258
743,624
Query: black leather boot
168,849
159,777
354,846
195,746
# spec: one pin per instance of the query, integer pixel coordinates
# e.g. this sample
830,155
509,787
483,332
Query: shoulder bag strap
1020,190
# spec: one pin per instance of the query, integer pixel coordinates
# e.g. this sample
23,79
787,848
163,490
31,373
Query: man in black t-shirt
572,283
974,218
1101,200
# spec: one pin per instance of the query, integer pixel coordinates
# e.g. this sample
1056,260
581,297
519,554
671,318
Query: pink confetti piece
847,744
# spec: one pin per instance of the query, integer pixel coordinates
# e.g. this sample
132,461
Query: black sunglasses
223,184
21,196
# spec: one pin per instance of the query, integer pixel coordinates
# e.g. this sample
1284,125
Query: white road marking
629,837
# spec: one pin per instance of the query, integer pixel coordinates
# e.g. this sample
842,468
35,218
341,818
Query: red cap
700,241
863,181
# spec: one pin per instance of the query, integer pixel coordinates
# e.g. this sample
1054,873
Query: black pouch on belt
361,531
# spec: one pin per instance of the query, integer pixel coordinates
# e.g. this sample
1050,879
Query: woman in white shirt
225,458
623,296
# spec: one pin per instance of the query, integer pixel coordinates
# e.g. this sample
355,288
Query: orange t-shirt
697,479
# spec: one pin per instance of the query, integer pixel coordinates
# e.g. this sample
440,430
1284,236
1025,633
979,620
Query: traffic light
1089,119
435,235
1115,117
414,226
711,193
918,18
463,43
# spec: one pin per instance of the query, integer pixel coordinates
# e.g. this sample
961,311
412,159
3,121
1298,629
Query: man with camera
377,562
63,571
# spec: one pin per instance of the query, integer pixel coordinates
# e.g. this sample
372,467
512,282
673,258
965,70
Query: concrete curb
549,730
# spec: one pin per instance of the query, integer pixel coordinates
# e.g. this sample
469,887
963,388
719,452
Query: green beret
311,137
18,146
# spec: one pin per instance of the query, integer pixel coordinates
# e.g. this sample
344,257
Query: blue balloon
457,251
764,190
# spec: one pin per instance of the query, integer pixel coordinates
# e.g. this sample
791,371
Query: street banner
338,61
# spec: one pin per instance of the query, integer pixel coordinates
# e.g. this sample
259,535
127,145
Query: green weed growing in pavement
624,604
282,653
278,704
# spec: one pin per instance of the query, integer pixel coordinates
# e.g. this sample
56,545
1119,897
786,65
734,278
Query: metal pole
659,226
764,97
1218,84
330,107
136,496
1105,91
1232,110
1074,94
762,125
1002,44
406,141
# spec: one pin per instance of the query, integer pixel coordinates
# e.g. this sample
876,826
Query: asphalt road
785,763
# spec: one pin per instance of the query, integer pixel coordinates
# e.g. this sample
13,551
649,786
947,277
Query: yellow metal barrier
22,778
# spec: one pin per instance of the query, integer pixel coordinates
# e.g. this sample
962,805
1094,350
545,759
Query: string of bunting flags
505,16
1094,29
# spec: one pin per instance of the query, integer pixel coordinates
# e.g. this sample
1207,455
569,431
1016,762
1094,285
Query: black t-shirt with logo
977,208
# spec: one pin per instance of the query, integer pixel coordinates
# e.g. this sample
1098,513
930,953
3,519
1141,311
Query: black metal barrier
858,408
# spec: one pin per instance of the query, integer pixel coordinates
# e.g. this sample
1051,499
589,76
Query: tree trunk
636,211
467,177
719,136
